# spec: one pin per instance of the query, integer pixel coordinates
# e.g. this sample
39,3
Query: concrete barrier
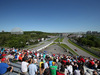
45,46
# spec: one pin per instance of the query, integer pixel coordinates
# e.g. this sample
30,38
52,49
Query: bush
89,40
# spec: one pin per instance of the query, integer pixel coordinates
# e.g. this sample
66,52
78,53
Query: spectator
92,64
32,68
59,65
16,50
46,64
82,71
87,72
70,69
95,66
54,61
42,69
98,64
95,73
50,62
41,62
16,56
38,61
20,57
3,54
2,49
62,70
47,71
35,60
0,53
53,69
66,71
4,67
70,64
77,71
44,55
24,66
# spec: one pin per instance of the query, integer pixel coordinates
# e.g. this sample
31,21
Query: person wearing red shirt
91,64
64,61
81,59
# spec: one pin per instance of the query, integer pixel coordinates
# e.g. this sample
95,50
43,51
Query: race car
75,49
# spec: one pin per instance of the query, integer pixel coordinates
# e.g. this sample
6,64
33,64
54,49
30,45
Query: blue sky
50,15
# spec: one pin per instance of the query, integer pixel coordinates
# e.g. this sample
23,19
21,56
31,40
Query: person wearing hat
4,67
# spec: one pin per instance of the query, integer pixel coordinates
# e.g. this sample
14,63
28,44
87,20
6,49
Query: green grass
32,47
65,46
83,49
41,44
95,49
57,40
52,44
61,40
51,39
35,46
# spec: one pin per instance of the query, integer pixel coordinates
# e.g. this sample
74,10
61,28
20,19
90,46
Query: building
16,31
88,32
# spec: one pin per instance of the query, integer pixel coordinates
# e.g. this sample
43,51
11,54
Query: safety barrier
45,46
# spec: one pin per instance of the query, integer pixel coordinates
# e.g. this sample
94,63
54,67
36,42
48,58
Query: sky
50,15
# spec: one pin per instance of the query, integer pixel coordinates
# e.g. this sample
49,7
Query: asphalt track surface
61,50
54,49
79,51
51,48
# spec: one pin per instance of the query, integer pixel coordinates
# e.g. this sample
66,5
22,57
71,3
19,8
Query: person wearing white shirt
66,71
46,64
37,54
70,69
35,61
24,66
77,72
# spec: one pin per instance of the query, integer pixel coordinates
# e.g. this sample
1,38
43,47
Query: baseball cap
3,59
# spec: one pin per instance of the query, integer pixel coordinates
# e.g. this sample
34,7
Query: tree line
89,40
19,41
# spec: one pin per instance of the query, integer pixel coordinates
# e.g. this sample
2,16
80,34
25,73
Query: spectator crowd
43,63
